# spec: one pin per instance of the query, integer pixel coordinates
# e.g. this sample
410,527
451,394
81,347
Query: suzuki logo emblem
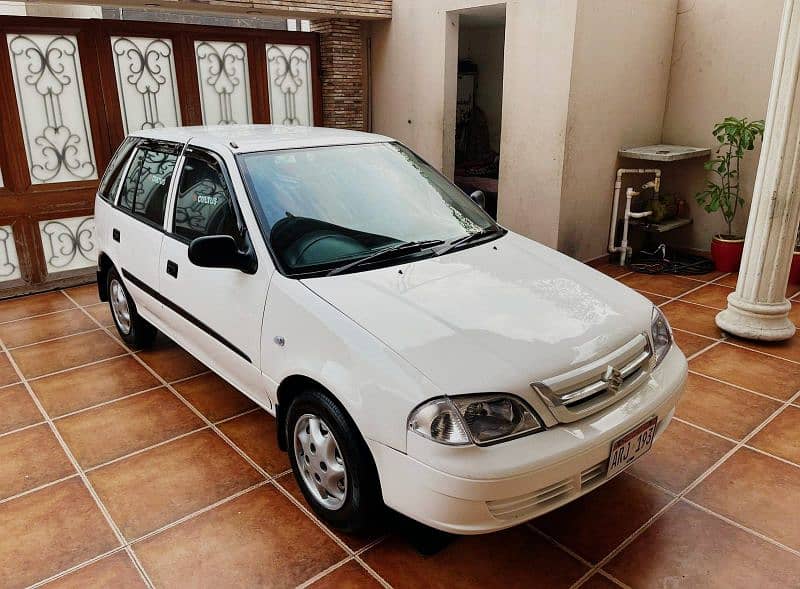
613,377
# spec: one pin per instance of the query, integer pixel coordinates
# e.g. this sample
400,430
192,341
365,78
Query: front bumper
473,490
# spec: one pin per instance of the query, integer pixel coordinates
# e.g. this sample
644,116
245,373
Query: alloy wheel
320,461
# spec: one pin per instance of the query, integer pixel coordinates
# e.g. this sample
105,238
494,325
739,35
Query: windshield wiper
470,237
401,248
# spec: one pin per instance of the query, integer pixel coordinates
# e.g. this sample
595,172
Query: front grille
528,505
585,390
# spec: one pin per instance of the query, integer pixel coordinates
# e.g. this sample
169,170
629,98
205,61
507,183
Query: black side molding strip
183,313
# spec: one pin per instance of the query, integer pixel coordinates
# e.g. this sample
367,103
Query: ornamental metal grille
148,93
68,244
291,97
9,262
52,107
222,73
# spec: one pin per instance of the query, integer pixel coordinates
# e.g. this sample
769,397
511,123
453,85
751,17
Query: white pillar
758,309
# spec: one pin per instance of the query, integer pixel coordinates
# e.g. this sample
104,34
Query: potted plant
735,136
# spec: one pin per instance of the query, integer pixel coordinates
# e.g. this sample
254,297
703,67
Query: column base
758,321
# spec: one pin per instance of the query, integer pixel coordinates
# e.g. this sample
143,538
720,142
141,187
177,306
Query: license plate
628,448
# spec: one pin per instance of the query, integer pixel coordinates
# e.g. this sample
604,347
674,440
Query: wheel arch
104,264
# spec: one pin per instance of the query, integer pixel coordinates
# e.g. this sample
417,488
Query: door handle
115,235
172,268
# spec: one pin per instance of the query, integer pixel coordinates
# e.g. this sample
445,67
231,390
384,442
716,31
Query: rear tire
331,463
132,328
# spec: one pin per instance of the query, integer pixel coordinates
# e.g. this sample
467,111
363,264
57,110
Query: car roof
248,138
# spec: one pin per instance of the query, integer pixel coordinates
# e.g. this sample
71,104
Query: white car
414,353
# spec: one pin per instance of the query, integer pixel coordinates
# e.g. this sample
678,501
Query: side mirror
479,198
221,251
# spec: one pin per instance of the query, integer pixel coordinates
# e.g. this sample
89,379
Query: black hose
664,261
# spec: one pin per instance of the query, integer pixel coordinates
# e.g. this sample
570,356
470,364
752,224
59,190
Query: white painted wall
721,65
414,61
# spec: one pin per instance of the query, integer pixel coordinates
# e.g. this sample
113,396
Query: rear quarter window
113,176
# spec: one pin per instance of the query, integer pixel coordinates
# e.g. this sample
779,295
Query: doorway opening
479,101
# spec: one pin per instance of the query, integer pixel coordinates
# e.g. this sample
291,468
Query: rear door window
114,172
146,186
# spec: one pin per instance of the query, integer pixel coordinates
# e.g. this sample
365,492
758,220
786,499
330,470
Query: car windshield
324,207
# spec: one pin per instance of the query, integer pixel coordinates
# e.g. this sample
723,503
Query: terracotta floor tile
693,318
36,329
7,373
30,458
48,531
68,352
89,385
27,306
788,349
609,268
707,276
110,431
729,280
595,524
213,397
757,491
117,571
171,362
154,488
781,437
518,557
690,343
102,313
751,370
17,409
667,285
687,547
259,539
711,295
348,576
680,455
255,433
723,409
654,298
355,542
85,294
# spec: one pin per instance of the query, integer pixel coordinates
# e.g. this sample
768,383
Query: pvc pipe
655,184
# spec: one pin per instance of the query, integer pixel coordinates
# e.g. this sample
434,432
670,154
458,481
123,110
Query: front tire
331,463
131,326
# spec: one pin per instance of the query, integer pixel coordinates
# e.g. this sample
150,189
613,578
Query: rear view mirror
479,198
221,251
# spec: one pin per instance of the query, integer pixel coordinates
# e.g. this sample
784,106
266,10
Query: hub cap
320,461
119,306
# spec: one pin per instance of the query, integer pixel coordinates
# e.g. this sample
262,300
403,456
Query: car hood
491,317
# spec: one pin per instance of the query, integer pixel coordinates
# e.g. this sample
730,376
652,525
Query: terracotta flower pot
726,251
794,272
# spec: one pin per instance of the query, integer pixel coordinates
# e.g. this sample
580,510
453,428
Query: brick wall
312,8
344,103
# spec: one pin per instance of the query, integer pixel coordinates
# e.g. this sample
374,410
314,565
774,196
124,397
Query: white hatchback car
415,353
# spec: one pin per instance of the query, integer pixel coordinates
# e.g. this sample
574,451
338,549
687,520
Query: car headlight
660,335
474,419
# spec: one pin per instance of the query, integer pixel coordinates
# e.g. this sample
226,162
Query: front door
215,312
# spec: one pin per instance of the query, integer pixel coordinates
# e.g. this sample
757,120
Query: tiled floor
126,469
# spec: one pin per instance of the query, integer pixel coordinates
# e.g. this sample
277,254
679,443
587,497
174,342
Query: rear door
216,312
137,228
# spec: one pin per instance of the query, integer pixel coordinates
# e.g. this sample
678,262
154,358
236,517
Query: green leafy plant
735,136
